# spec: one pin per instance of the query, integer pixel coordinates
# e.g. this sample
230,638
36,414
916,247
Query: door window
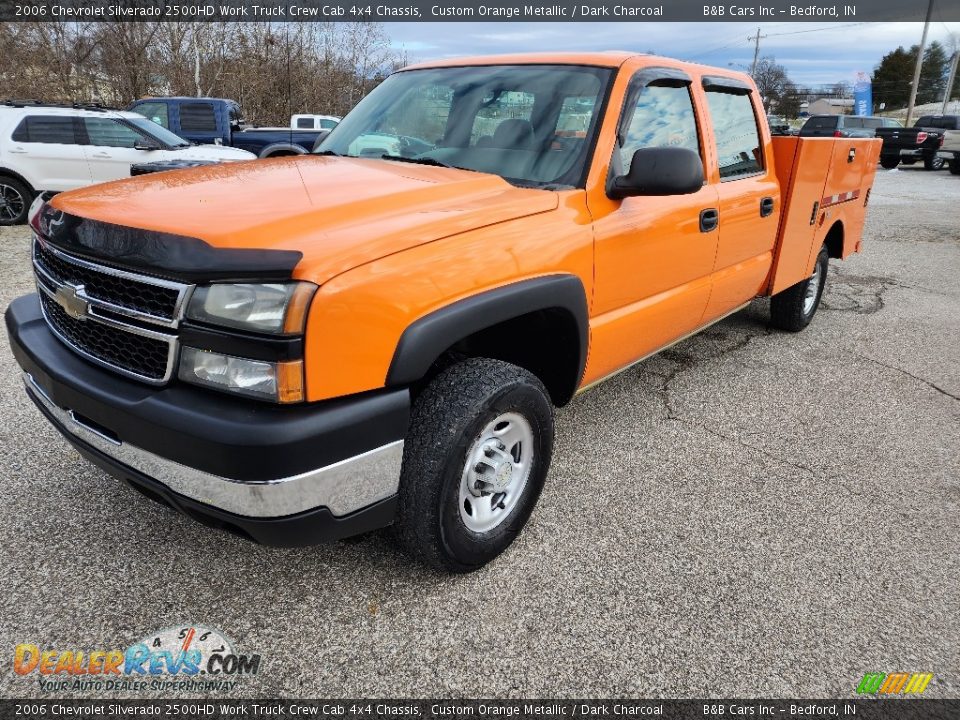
155,111
53,129
739,151
197,117
105,132
662,117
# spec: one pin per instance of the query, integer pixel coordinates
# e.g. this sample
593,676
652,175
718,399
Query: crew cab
920,143
950,150
62,147
307,348
216,120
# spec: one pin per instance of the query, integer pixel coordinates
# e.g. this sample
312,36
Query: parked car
845,125
313,122
950,150
50,147
778,125
921,142
220,121
336,343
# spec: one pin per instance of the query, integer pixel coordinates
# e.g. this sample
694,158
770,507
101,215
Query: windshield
533,125
157,132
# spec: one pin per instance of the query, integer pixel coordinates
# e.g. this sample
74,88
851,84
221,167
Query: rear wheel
933,163
474,463
889,162
15,199
794,308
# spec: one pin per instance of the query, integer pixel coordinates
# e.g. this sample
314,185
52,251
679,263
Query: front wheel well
6,172
834,240
544,342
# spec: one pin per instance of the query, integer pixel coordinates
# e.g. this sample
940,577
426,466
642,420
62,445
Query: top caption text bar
820,11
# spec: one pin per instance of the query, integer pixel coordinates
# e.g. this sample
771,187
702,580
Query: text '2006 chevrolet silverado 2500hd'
307,348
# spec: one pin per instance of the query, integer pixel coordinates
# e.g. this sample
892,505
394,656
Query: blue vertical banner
863,95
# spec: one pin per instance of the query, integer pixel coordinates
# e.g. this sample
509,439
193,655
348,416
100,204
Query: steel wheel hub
813,287
496,471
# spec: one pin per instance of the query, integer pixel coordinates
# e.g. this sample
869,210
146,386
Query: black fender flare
422,343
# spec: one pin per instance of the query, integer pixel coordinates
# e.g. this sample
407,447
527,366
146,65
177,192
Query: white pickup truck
950,150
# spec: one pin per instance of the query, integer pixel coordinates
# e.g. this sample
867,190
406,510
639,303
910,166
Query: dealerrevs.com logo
187,658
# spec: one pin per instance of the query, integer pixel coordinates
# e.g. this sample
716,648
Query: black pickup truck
920,142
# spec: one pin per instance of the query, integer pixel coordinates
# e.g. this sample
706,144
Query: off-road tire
12,188
789,310
446,420
933,163
889,162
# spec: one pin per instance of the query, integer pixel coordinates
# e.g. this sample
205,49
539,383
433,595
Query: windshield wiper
419,161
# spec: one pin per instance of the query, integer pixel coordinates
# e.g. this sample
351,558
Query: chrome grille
144,357
124,321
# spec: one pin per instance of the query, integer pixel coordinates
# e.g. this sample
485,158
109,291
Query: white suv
49,147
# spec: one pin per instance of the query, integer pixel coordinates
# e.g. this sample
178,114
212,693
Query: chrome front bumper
343,487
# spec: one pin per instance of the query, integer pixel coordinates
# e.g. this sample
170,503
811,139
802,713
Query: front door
653,255
111,148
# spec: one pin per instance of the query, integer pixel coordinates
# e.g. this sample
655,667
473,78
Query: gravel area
750,513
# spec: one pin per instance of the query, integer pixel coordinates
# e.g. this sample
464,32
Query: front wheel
474,463
889,162
933,163
794,308
15,199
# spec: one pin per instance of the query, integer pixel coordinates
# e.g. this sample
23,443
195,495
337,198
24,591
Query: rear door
111,148
749,195
44,148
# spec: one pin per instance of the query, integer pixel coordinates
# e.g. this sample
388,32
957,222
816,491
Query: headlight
276,308
277,381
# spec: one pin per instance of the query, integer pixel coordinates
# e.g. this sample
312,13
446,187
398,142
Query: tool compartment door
852,170
822,180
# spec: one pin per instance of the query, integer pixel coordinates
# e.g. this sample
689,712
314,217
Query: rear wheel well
545,342
834,240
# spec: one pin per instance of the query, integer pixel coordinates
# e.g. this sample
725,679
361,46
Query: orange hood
339,212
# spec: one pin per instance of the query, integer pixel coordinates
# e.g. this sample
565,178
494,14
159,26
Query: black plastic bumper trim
218,434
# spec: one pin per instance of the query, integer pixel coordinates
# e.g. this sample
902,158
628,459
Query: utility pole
916,69
756,48
952,77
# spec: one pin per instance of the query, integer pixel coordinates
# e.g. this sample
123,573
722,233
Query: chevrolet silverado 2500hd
306,348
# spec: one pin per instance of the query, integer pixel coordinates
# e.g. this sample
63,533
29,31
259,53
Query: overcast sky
813,53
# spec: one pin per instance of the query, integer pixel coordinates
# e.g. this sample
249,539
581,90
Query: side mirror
145,145
659,171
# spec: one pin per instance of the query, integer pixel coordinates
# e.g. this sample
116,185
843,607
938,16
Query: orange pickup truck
378,333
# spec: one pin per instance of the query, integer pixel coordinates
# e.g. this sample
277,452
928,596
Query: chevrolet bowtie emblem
67,297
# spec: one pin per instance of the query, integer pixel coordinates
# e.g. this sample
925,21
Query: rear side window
197,117
662,117
109,133
53,129
853,122
821,123
305,123
738,138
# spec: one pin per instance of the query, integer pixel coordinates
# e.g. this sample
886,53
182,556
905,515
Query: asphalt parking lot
750,514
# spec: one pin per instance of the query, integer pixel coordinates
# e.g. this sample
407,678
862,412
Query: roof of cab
612,59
